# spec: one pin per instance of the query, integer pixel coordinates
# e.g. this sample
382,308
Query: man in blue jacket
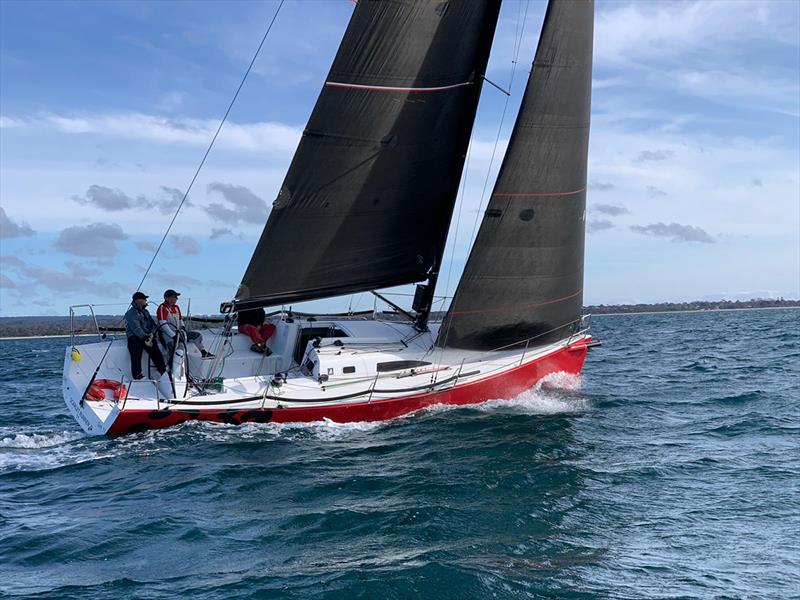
140,329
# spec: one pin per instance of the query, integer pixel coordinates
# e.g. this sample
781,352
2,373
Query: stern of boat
95,418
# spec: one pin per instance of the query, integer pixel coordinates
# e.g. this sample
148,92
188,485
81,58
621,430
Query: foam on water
553,394
322,430
42,450
39,440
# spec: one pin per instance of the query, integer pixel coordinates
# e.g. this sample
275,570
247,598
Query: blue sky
106,109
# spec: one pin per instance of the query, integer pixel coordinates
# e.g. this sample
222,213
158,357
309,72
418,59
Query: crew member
140,329
251,323
169,315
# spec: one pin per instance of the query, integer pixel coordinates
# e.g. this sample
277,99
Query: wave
32,441
46,450
554,394
538,402
740,398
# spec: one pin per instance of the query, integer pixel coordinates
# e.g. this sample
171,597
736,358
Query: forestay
367,200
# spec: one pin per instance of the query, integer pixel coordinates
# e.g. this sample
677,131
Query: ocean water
670,469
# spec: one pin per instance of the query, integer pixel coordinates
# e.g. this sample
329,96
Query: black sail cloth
524,276
367,200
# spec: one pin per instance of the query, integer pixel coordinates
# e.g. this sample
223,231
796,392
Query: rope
211,145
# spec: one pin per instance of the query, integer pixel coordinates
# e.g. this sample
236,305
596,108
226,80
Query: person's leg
252,332
196,338
267,330
158,360
135,347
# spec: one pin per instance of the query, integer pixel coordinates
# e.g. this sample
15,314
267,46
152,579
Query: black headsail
367,200
524,275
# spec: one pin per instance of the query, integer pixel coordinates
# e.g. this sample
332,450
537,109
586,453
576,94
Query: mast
524,276
367,200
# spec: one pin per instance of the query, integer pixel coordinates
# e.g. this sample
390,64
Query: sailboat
366,205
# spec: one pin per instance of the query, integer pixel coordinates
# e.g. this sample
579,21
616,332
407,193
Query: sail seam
386,88
543,194
518,307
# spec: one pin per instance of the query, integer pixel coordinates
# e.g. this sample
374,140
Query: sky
106,109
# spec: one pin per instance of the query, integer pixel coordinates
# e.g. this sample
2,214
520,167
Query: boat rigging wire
211,145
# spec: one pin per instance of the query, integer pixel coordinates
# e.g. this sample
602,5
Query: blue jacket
139,323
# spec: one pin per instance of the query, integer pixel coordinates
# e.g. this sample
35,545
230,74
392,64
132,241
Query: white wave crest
330,430
32,441
553,394
325,430
42,451
560,380
537,402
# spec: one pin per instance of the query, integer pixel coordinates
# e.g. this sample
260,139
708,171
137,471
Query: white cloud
110,199
264,136
675,231
220,232
646,155
747,89
170,101
596,225
96,239
10,122
113,200
243,205
76,280
638,32
186,244
146,245
610,209
718,51
10,229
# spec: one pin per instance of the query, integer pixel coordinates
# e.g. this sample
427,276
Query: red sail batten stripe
547,194
379,88
510,308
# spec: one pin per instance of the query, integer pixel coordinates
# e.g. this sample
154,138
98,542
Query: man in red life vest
169,314
251,323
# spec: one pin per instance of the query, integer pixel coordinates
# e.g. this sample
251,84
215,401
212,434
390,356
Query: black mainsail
524,276
367,200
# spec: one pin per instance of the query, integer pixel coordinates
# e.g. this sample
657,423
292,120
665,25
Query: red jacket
173,316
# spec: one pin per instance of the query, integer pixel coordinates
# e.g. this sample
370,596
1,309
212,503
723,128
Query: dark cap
170,293
139,296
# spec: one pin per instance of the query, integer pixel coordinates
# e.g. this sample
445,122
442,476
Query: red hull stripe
503,385
540,195
384,88
512,308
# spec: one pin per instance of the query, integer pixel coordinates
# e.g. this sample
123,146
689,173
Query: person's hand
148,341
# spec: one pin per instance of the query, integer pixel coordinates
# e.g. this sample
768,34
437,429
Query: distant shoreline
23,328
694,310
44,337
